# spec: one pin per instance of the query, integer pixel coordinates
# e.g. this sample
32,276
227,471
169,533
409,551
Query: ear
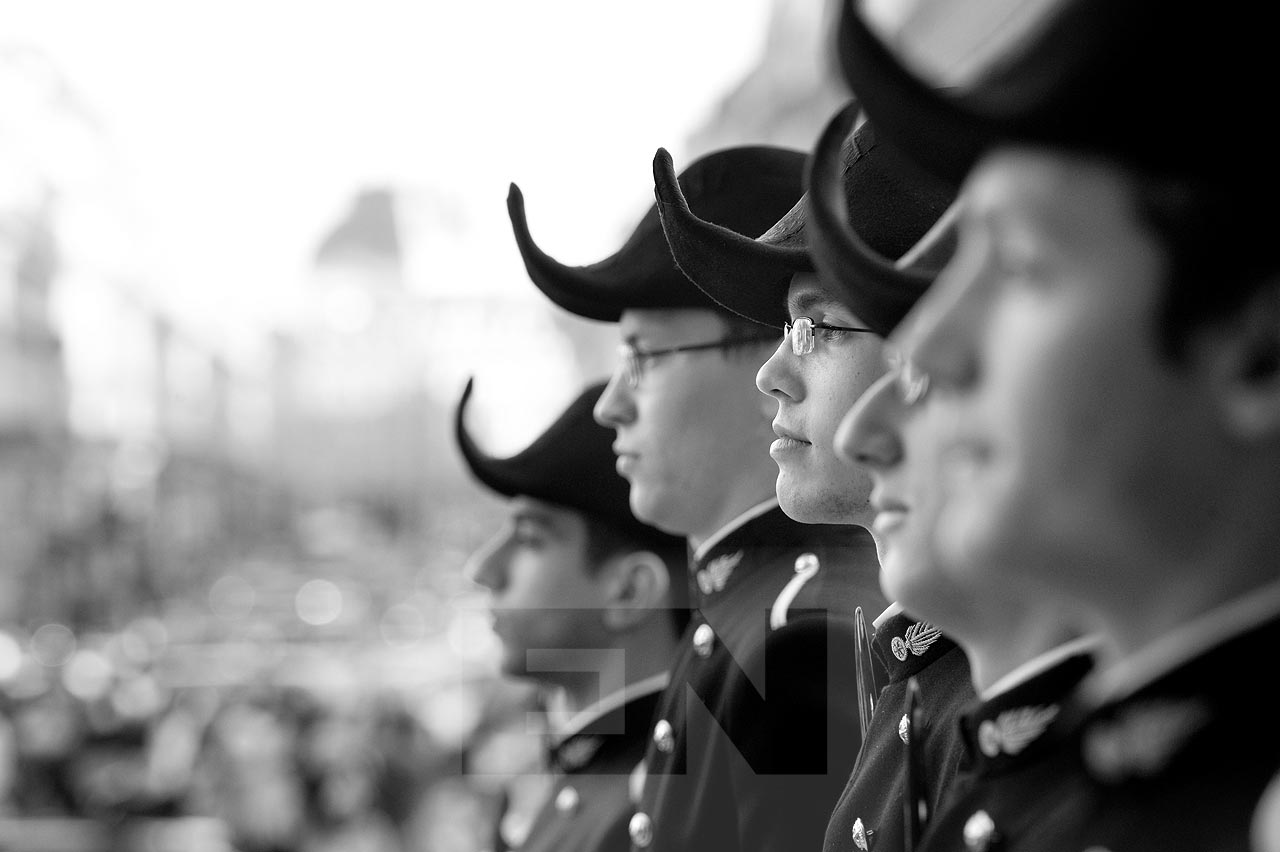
639,588
1245,366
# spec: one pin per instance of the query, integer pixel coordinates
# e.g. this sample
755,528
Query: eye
528,534
829,333
1018,259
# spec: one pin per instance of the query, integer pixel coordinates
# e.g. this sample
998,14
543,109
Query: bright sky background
242,127
238,131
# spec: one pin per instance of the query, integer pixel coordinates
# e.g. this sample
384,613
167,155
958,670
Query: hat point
666,186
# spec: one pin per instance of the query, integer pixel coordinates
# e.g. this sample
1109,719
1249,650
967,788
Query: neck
1221,548
1131,628
994,654
731,517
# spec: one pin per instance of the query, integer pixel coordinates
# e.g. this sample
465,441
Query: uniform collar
1083,646
701,551
889,612
1015,723
620,718
906,645
594,712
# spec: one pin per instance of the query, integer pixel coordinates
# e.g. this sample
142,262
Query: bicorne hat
889,202
570,464
1115,78
745,188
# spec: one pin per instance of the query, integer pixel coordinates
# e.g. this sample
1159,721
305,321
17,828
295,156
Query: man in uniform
1108,340
830,354
759,728
1024,653
581,596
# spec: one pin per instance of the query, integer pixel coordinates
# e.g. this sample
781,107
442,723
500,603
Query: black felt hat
1117,78
890,201
843,259
745,188
570,464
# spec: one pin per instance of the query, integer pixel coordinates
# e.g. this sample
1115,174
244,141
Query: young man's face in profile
543,592
813,392
895,432
1077,453
689,430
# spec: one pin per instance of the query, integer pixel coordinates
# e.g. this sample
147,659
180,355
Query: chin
805,511
816,507
649,508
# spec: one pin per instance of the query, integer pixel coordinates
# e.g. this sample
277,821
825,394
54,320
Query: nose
943,332
870,433
487,566
616,405
778,377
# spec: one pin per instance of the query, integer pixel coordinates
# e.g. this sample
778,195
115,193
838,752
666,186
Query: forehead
807,293
554,515
1075,198
668,323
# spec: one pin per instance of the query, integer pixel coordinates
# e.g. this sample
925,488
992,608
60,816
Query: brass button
567,799
703,640
979,832
641,829
806,563
664,737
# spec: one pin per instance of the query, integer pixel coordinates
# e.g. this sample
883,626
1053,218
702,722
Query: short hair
606,540
1218,252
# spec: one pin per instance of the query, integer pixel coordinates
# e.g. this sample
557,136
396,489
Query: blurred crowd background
249,254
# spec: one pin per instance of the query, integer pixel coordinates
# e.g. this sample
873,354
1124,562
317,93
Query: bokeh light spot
319,602
53,644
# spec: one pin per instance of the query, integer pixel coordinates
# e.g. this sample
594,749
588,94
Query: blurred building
793,90
33,394
124,479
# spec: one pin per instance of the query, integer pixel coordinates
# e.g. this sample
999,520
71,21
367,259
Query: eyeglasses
800,333
911,381
634,358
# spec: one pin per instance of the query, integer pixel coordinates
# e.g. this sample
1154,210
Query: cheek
537,581
840,397
1052,384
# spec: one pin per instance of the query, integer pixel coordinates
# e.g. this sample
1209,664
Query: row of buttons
704,642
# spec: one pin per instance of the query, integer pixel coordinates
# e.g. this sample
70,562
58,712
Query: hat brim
603,290
743,188
922,123
879,290
571,464
746,276
1109,78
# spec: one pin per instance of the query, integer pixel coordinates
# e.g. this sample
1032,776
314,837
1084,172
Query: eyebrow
533,516
811,297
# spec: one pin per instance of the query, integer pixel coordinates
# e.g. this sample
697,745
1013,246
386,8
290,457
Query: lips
889,517
625,461
786,434
891,511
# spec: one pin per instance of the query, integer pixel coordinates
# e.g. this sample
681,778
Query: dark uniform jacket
1181,763
759,728
1015,768
870,814
589,805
